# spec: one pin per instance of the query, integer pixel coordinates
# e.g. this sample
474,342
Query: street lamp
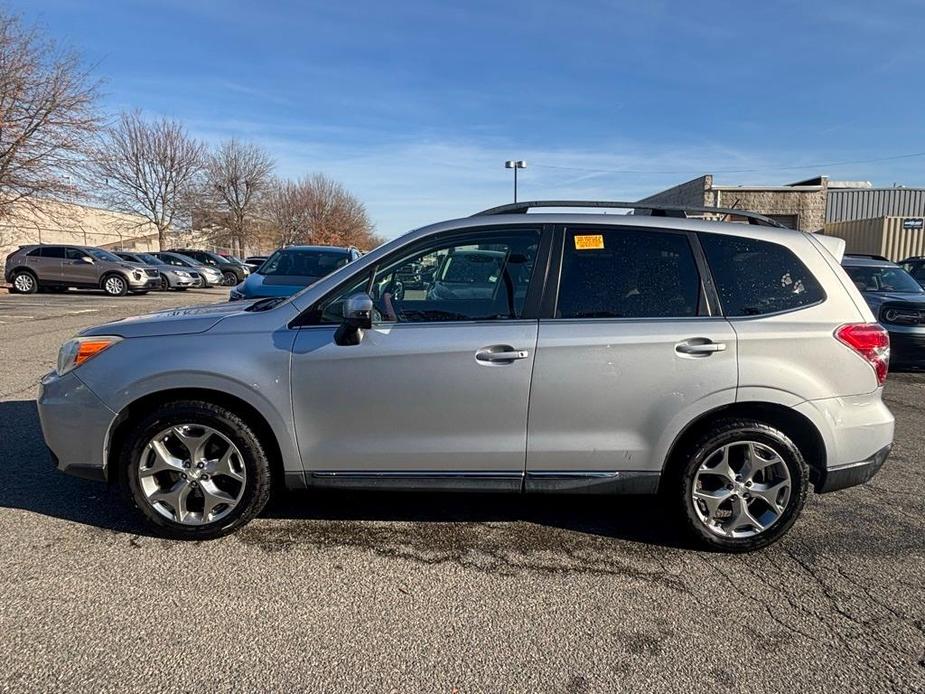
515,165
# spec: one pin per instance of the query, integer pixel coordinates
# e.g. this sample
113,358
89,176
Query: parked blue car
898,302
291,269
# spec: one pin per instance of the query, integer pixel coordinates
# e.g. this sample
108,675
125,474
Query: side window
484,276
73,254
757,277
53,252
627,273
36,252
917,270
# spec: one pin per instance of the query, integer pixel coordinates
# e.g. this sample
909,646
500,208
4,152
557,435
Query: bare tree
237,174
146,168
47,114
321,211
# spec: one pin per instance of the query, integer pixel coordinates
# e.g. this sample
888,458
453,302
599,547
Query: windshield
884,279
303,263
100,254
147,258
173,259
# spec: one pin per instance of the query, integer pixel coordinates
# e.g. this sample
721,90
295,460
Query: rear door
628,353
48,264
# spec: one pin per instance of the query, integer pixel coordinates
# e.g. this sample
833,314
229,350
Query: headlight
236,293
181,273
75,352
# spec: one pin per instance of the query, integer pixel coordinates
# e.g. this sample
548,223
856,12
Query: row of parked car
55,267
895,293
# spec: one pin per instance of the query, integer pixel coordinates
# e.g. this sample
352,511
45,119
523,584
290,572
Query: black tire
229,279
114,284
24,282
258,475
165,283
730,431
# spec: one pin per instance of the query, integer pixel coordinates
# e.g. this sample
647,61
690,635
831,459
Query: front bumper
144,283
75,424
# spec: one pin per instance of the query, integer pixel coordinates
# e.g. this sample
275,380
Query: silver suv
58,267
729,367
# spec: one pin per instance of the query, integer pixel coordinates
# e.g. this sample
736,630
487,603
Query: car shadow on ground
29,481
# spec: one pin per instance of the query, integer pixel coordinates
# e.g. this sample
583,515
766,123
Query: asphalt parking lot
418,593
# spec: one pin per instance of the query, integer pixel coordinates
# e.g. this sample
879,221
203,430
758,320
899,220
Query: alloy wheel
114,285
741,489
192,474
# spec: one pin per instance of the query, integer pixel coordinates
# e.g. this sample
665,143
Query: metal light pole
515,165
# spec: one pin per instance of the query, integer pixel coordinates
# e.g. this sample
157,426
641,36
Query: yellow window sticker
589,242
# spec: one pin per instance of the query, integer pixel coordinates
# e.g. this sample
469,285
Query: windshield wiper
266,304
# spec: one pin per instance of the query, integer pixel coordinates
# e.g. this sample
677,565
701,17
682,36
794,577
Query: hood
259,286
877,299
180,321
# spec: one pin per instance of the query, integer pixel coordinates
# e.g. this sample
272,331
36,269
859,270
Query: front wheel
229,279
115,285
742,486
195,470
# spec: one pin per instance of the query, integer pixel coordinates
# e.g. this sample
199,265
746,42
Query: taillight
871,341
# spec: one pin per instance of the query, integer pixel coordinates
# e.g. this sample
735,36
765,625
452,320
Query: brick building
800,205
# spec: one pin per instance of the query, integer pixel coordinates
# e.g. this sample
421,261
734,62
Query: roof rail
655,210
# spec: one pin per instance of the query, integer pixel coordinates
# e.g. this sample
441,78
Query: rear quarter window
756,277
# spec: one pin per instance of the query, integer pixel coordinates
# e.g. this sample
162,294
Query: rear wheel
195,470
115,285
742,486
24,282
229,279
165,283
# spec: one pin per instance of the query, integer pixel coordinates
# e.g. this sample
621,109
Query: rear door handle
699,347
493,355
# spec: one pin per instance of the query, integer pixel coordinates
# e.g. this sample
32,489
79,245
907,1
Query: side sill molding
421,481
593,482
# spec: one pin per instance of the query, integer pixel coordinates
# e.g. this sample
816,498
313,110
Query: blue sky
414,106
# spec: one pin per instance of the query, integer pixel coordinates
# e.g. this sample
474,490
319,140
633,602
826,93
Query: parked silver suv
730,367
58,267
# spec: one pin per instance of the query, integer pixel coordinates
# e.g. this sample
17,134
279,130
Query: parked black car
915,266
232,271
255,261
898,302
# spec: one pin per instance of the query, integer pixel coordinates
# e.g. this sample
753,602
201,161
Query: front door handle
699,346
493,355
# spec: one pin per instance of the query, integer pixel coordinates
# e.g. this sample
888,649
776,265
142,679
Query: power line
731,171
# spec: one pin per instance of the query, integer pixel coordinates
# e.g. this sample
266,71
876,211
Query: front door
77,271
438,388
629,356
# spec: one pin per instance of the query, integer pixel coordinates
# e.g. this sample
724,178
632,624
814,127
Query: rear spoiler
833,245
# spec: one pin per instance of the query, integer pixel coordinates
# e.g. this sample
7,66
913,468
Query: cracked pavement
387,592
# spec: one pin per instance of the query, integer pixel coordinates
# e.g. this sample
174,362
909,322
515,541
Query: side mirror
87,259
358,312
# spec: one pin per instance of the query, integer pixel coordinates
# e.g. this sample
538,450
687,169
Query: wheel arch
109,273
797,426
123,422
